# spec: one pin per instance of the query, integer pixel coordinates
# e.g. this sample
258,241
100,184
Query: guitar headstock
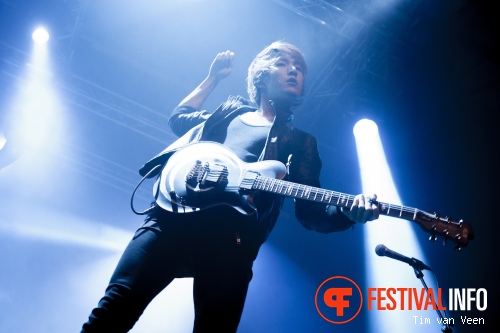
458,232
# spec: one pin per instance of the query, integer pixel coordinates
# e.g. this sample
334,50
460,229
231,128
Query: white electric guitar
207,174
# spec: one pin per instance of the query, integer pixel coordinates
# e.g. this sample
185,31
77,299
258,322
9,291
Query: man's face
285,79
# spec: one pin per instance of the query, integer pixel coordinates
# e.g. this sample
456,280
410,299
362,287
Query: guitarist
217,246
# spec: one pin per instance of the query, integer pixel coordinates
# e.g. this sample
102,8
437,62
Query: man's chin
287,101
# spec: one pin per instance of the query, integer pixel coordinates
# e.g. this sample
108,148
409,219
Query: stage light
37,108
36,124
365,128
3,141
40,36
395,233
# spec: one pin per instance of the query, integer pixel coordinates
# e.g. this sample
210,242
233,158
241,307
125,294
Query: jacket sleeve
183,118
187,123
313,215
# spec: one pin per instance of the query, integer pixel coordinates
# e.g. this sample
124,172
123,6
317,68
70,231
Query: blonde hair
262,63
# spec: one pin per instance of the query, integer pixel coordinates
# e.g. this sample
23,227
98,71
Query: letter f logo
334,298
338,300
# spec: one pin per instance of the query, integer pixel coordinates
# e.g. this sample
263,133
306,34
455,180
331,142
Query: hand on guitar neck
364,208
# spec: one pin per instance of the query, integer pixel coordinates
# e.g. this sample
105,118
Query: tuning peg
433,238
458,247
445,241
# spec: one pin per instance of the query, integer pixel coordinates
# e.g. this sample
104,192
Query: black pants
217,252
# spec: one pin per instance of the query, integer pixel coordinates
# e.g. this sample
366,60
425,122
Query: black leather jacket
283,140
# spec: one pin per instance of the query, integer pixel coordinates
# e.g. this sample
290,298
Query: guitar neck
311,193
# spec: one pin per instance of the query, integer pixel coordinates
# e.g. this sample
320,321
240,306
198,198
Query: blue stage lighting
40,36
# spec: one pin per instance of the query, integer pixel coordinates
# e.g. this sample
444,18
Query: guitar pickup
194,175
249,180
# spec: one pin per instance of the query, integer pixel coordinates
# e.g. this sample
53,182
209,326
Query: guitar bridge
206,177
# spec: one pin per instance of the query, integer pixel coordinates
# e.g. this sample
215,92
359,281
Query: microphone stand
418,273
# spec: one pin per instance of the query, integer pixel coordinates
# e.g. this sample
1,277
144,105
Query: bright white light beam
3,141
40,36
396,234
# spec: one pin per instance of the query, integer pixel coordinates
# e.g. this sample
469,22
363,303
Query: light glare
397,234
3,141
365,128
40,36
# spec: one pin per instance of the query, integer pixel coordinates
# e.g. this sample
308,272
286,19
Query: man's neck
266,110
270,109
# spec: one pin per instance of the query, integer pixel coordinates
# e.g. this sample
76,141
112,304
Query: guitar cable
146,211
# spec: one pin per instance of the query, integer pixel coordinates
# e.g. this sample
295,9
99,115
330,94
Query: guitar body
208,174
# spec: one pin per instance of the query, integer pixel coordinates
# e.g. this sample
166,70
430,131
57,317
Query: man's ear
260,82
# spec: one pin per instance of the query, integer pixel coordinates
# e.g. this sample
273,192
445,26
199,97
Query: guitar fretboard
311,193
